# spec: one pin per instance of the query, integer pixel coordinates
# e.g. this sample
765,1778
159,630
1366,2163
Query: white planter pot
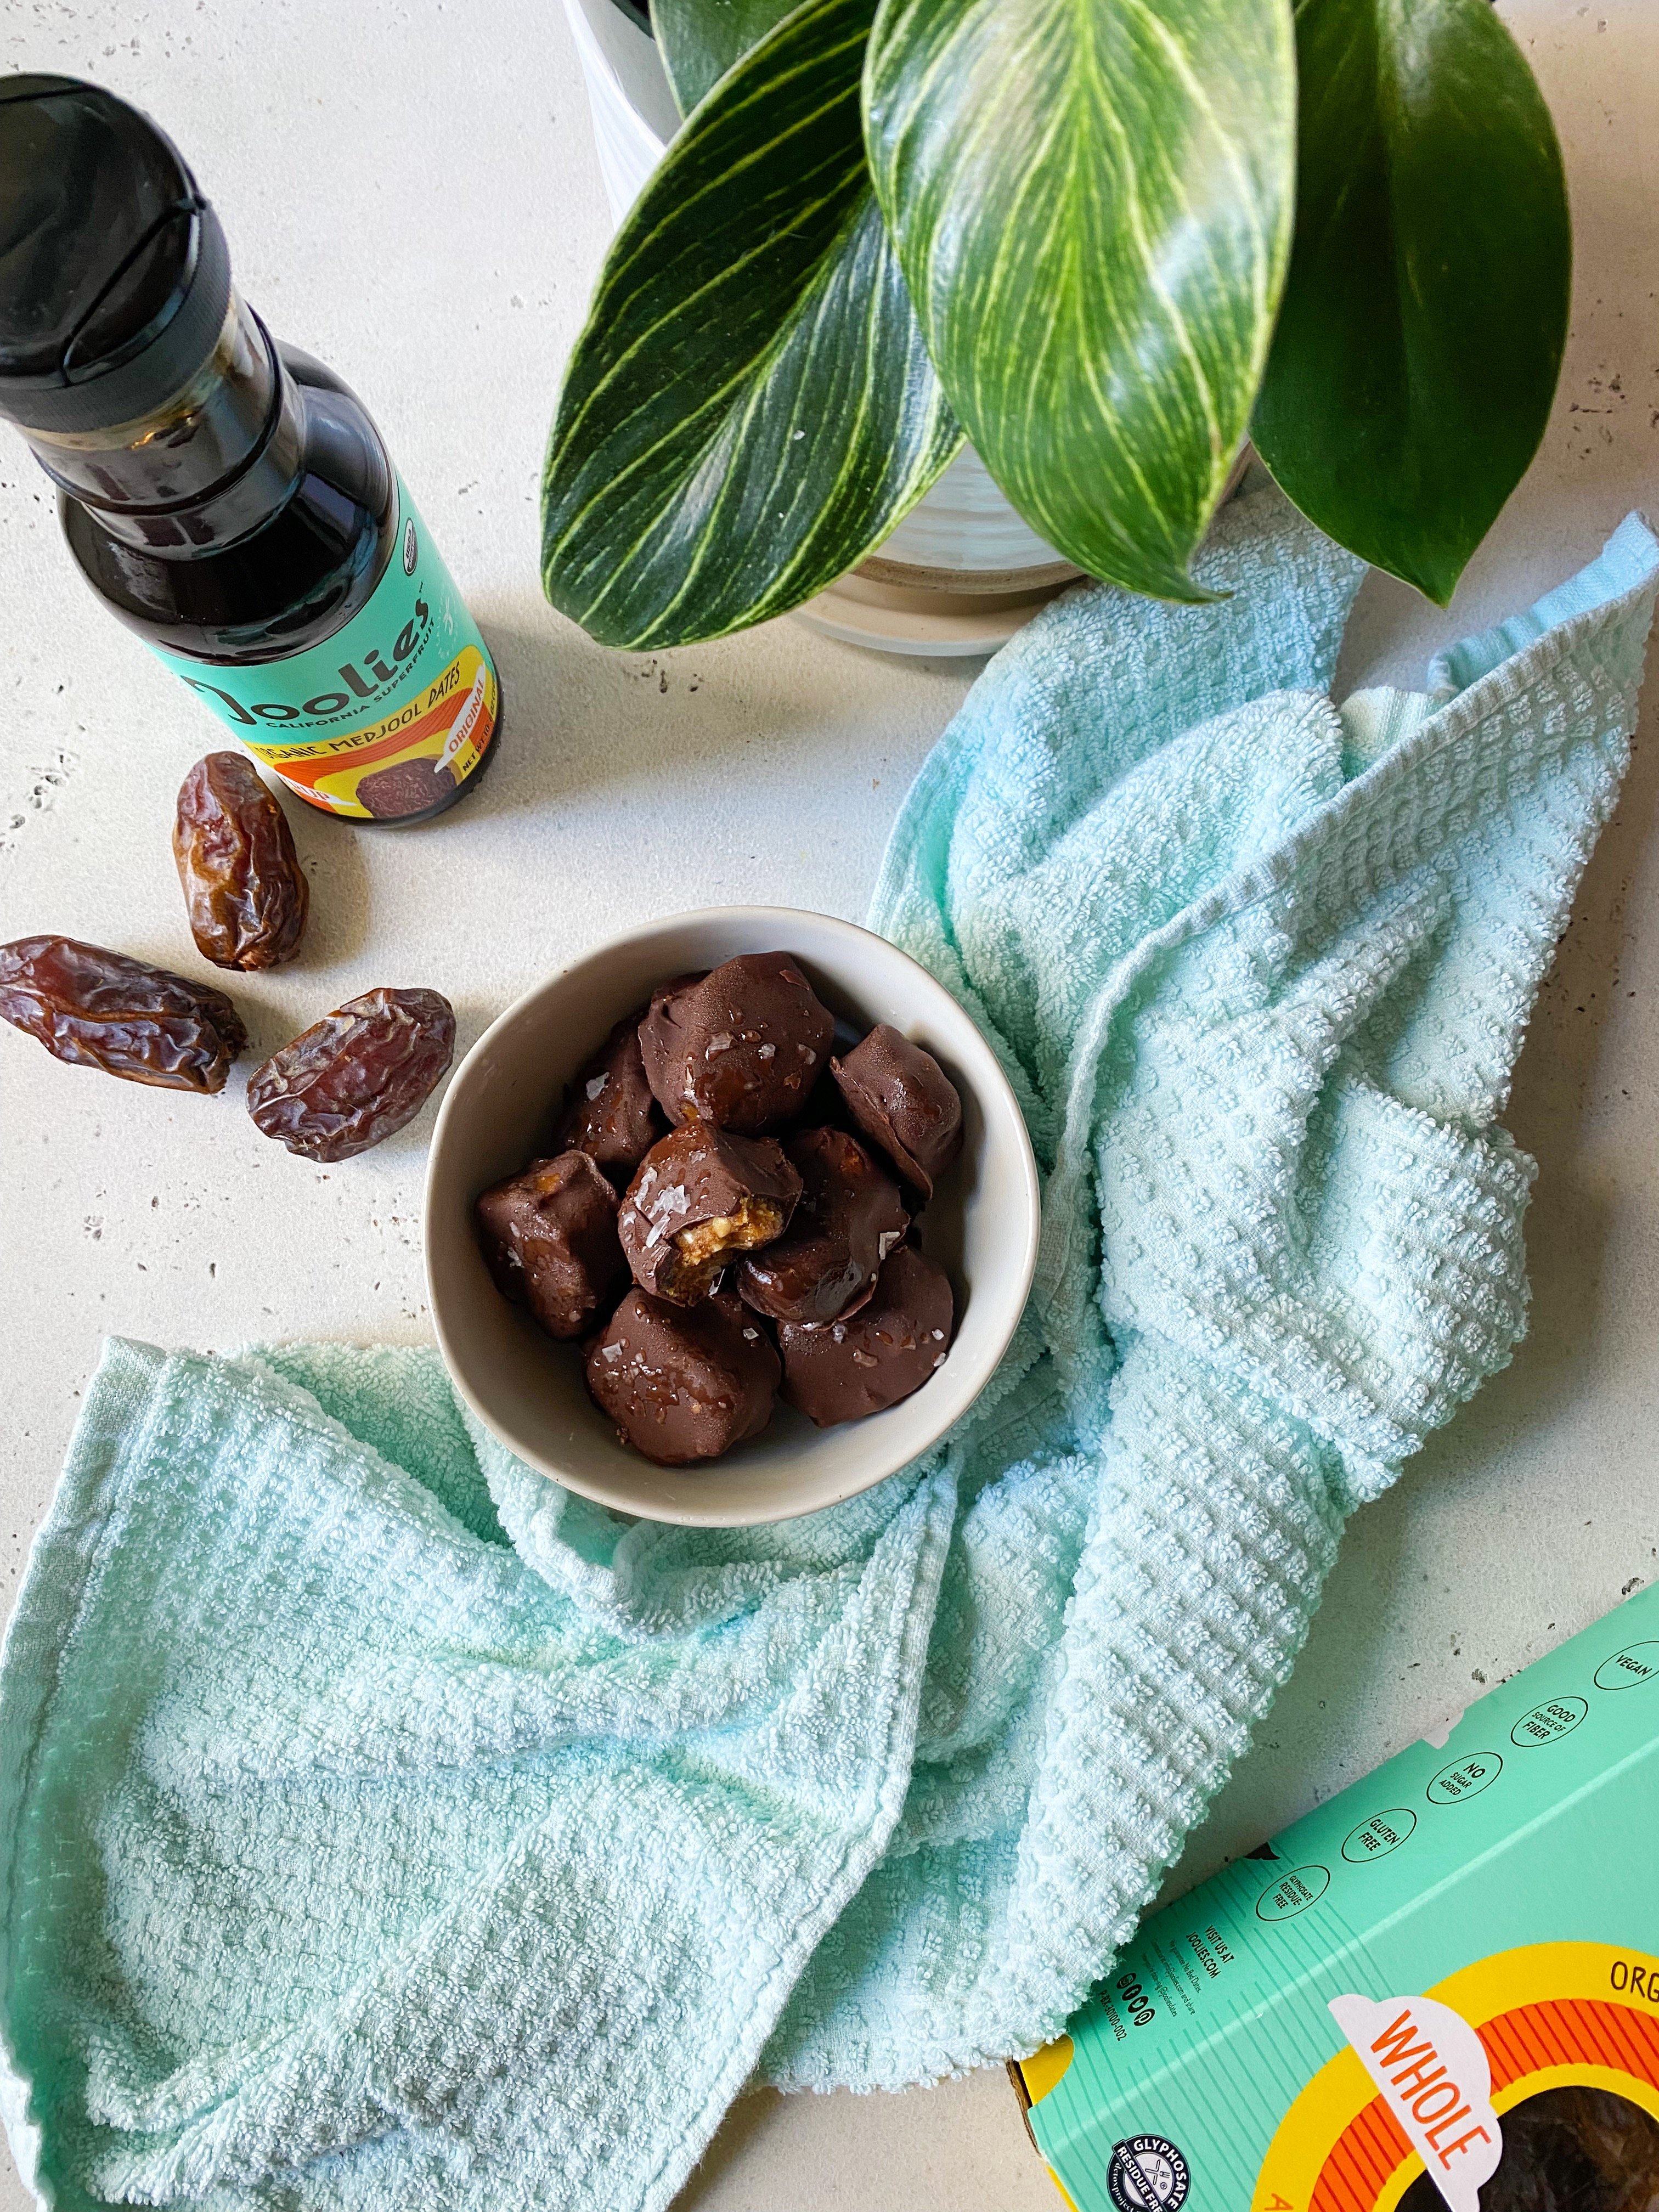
963,571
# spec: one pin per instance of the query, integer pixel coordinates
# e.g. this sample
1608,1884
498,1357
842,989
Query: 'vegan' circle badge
1148,2173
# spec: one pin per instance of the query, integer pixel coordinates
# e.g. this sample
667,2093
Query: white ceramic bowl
981,1225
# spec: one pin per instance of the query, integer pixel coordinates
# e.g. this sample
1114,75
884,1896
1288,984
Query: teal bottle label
386,717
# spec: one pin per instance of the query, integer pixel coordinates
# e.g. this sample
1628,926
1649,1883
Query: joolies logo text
368,678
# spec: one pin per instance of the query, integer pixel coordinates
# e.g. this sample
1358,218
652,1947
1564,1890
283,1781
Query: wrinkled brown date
243,889
99,1009
356,1076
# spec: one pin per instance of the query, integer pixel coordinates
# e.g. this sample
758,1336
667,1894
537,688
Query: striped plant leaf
750,408
1425,313
699,40
1092,203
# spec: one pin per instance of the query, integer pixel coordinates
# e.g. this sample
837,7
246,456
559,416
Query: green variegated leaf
751,409
699,40
1426,308
1092,203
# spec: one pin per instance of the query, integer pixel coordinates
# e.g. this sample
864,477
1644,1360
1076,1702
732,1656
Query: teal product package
1440,1990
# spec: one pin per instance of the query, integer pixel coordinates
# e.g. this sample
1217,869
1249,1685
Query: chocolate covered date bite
549,1235
841,1370
740,1046
611,1114
683,1385
903,1101
703,1198
850,1218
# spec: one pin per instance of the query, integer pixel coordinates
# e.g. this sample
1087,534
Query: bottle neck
213,463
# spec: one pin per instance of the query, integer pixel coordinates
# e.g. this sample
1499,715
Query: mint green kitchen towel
382,1827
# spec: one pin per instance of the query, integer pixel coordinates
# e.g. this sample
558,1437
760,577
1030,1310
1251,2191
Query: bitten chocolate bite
703,1197
611,1114
683,1384
850,1218
903,1101
548,1236
841,1370
740,1046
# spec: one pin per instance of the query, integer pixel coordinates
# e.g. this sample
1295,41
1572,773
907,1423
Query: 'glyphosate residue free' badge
1148,2173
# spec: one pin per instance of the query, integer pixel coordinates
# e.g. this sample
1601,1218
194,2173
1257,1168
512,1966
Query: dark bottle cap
114,276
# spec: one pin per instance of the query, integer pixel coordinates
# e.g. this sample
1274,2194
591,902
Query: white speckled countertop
410,190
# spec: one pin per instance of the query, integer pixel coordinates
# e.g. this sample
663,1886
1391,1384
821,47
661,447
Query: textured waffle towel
381,1827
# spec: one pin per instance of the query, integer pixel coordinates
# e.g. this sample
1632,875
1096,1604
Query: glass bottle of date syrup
227,497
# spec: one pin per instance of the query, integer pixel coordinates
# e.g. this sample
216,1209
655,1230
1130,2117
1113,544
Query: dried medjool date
99,1008
354,1077
244,891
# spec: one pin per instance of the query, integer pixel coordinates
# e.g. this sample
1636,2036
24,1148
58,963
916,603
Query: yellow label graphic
405,763
1547,2016
387,717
